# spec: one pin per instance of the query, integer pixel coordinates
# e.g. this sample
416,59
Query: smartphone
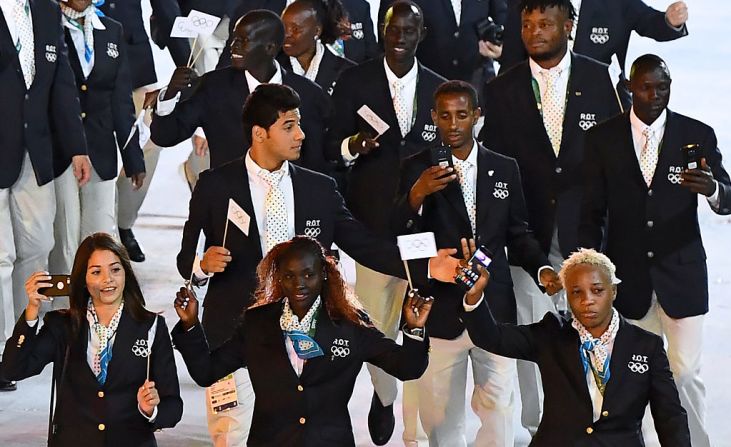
692,154
442,156
60,286
468,276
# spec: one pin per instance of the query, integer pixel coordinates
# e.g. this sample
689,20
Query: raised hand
416,309
186,306
473,295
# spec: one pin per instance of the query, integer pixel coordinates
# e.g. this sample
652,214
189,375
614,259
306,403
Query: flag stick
225,232
408,275
149,355
200,50
192,47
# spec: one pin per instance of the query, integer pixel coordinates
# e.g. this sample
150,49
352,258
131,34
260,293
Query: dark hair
564,5
332,17
648,62
134,302
403,6
270,23
337,298
459,88
265,103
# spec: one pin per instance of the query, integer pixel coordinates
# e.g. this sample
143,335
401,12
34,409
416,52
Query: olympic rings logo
674,178
501,194
312,232
586,125
140,351
428,136
201,22
639,368
339,351
358,34
600,39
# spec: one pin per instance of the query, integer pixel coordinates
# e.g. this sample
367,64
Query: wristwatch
416,332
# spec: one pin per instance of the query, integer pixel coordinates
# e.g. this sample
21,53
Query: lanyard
537,94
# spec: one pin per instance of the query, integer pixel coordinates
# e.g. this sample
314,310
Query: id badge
222,395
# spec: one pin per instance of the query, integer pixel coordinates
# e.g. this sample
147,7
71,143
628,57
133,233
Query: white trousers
382,297
532,305
442,394
230,428
26,239
80,212
129,201
684,337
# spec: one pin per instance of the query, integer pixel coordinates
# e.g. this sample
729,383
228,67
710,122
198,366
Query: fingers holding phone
35,286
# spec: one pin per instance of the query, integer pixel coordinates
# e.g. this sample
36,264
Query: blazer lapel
324,336
300,205
483,184
627,146
619,354
73,55
573,366
422,113
669,147
123,342
572,92
241,194
7,46
273,336
453,195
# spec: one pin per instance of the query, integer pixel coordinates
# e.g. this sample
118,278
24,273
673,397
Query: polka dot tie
468,193
648,156
275,230
25,45
552,108
399,105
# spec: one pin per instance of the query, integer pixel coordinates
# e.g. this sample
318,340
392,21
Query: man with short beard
537,113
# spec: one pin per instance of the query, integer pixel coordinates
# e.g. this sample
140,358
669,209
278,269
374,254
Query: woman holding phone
114,373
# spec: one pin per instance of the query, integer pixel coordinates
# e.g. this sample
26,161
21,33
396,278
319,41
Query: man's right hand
182,78
215,260
361,143
433,179
475,293
186,306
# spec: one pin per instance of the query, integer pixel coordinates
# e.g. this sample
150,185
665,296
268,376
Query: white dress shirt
77,37
259,189
409,81
563,79
597,399
166,107
8,9
658,131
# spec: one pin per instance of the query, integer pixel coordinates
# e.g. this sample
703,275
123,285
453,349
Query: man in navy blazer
635,174
38,94
398,89
480,198
537,113
312,205
215,103
603,28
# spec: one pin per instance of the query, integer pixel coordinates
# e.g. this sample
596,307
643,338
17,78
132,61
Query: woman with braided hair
304,343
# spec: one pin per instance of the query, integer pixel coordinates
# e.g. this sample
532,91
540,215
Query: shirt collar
656,127
254,169
253,83
471,159
563,65
96,23
407,78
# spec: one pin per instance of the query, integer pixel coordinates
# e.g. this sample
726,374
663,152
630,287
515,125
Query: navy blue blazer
106,105
50,105
452,50
310,410
374,178
640,374
320,212
514,127
88,413
129,14
651,234
605,28
502,220
216,104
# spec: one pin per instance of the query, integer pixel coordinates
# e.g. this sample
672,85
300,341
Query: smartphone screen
483,256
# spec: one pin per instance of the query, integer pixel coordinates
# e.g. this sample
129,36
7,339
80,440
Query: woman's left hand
416,309
147,397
